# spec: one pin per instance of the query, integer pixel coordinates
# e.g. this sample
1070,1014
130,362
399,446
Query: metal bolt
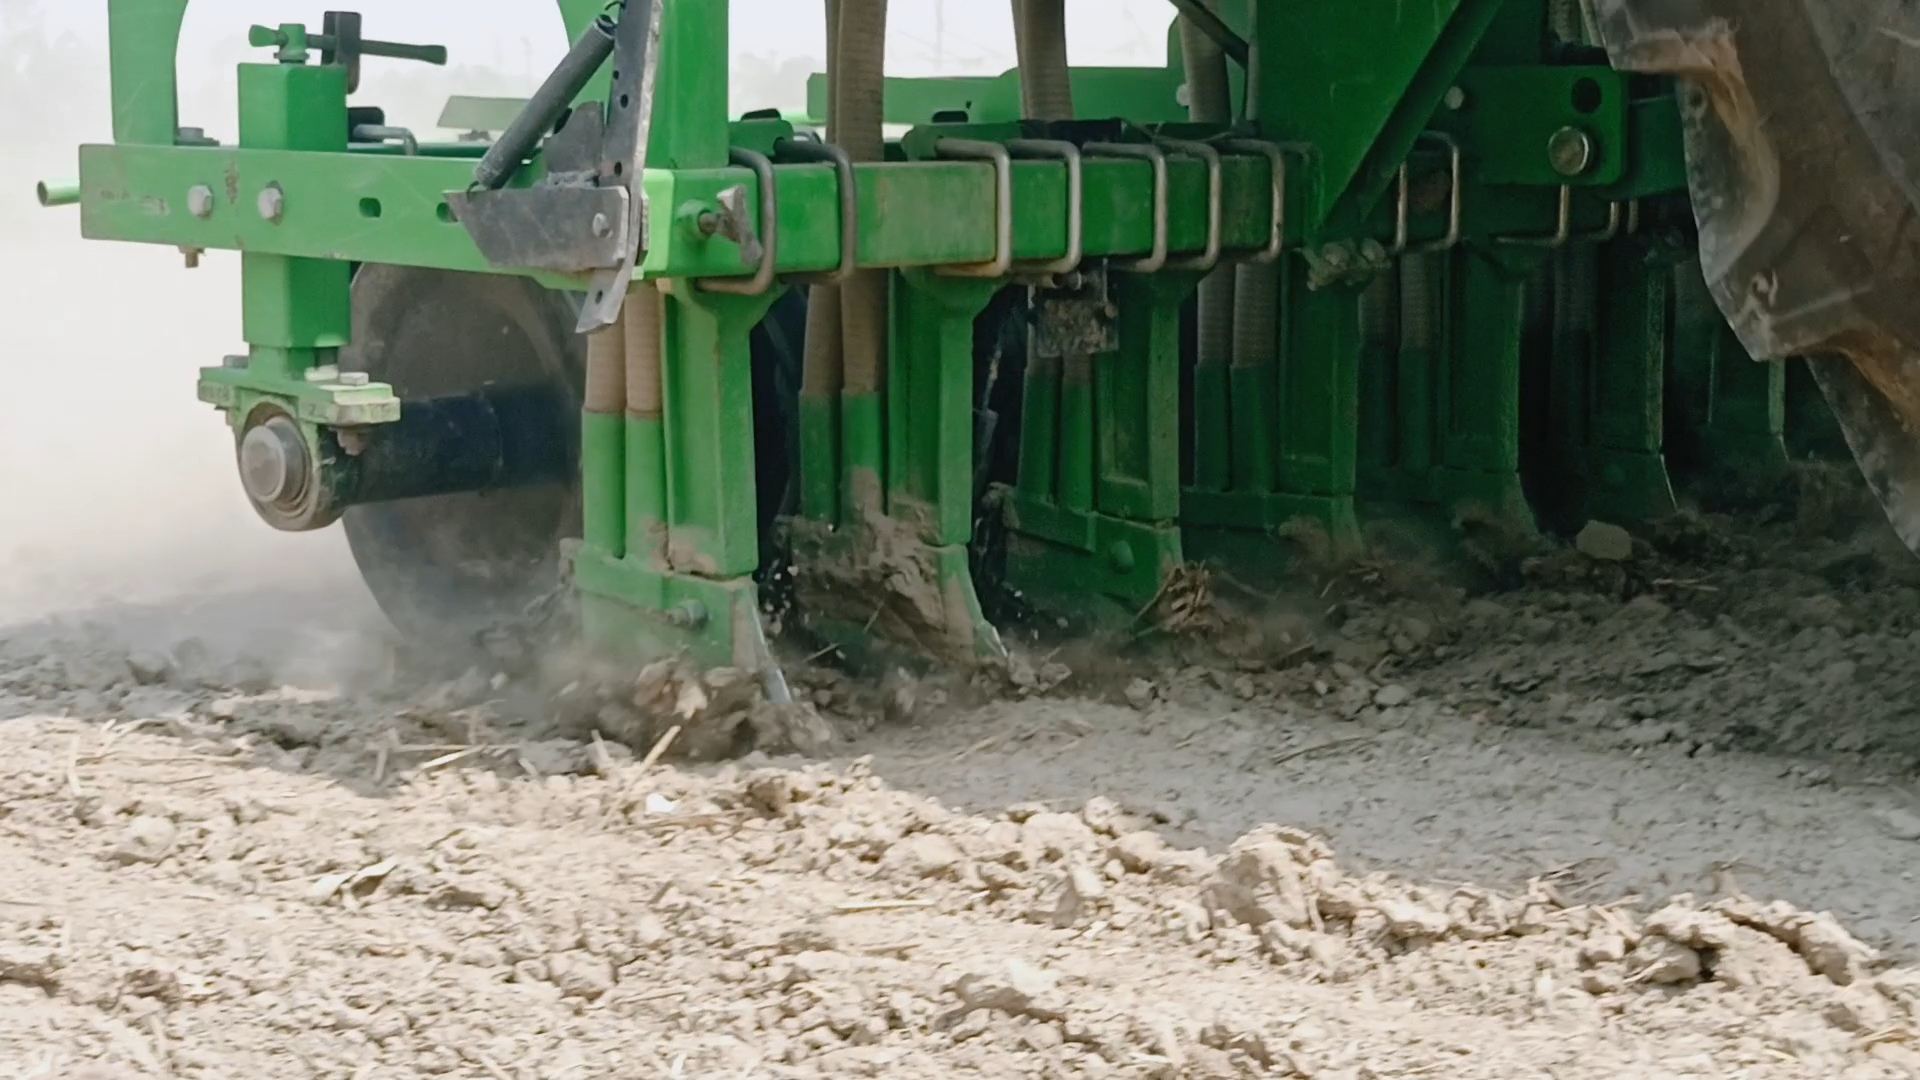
272,203
689,615
273,462
601,225
1455,98
355,378
200,201
191,257
1121,555
1336,257
1570,151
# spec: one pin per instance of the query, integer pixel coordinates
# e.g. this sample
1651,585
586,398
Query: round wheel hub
274,462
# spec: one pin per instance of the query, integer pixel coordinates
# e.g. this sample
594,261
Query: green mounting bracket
1094,509
323,396
1540,126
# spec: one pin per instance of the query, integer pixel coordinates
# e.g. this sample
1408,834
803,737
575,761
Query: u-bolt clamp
1001,159
816,151
1209,256
1068,155
1563,233
765,242
1157,159
1276,155
1403,207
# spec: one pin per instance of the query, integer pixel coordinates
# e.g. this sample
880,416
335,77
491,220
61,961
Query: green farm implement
1076,330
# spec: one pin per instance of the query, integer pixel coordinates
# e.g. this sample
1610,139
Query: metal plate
1078,321
564,229
636,62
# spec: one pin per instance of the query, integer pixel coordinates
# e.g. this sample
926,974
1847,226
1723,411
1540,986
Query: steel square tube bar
378,208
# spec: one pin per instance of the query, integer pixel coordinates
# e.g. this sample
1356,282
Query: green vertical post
1748,409
291,308
1077,432
1627,470
706,376
1040,428
1124,541
819,457
712,523
602,474
1379,349
143,37
1733,411
645,440
1319,421
1479,391
1138,400
930,454
1214,433
1424,287
685,583
930,403
1254,379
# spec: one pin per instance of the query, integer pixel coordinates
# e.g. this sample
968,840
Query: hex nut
200,201
272,203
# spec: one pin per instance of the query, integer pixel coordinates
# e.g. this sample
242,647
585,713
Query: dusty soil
241,835
1650,817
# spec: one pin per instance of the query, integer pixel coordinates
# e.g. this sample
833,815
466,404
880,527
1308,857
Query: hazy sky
924,36
774,42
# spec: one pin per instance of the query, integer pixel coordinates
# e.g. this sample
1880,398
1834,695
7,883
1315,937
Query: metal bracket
1611,229
1209,257
1276,156
1156,158
1069,155
561,229
1403,208
1076,320
847,183
998,156
1562,231
636,63
759,252
565,223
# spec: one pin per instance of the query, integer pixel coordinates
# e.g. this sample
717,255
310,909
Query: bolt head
602,226
355,378
1570,151
272,203
1455,98
200,201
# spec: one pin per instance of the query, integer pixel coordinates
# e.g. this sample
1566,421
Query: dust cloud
117,487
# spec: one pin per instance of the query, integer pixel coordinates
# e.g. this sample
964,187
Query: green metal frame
1335,417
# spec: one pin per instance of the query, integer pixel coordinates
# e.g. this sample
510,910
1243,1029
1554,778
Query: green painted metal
294,311
1093,511
1507,115
1388,80
139,194
1343,409
57,192
904,574
1730,412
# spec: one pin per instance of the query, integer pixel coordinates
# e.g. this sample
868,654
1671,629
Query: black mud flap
1802,123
